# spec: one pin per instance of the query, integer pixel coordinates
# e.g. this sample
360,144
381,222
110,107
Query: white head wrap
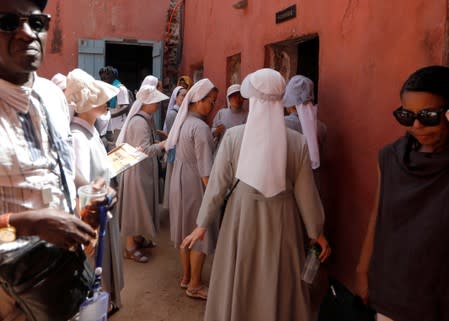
60,80
198,91
172,102
83,92
263,154
232,90
147,94
299,93
150,80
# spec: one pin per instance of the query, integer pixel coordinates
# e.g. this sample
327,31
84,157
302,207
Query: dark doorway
132,61
299,56
308,60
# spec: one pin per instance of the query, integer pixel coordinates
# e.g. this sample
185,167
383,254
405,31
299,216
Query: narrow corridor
151,290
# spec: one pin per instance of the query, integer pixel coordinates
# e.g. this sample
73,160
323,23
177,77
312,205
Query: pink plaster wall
99,19
367,49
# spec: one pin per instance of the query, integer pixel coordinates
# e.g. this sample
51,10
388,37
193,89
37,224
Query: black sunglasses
10,22
427,117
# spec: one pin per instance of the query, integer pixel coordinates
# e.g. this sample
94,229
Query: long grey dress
193,160
229,118
138,191
90,156
169,120
260,250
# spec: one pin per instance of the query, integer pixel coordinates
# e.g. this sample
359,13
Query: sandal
198,293
184,284
136,255
143,243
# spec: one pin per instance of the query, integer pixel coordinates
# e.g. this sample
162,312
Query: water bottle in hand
312,264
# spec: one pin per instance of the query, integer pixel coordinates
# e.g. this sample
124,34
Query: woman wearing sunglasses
405,256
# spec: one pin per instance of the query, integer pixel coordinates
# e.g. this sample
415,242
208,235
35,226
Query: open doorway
299,56
308,60
133,62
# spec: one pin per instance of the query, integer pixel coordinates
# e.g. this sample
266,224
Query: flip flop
198,293
136,255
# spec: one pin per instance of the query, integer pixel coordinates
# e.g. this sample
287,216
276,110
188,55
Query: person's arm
203,144
221,180
307,196
52,225
309,204
120,110
82,158
123,105
367,247
217,126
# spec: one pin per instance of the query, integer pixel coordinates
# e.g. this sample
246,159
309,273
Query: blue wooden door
91,56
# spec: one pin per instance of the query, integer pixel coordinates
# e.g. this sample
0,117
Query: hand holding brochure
123,157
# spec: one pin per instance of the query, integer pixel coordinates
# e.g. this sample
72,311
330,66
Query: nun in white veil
175,102
138,190
194,157
299,95
273,204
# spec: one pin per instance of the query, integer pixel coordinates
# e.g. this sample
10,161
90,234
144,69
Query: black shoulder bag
48,283
341,304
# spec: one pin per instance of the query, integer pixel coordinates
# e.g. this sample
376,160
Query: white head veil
299,93
147,94
231,90
84,92
150,81
172,102
198,91
263,154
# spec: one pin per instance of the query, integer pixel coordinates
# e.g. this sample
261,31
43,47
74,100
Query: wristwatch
7,232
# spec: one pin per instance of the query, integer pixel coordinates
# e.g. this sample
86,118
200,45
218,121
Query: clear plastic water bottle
312,264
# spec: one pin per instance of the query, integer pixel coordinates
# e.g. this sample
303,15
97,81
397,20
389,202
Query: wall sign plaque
286,14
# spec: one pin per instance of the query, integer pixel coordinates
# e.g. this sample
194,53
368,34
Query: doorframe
158,53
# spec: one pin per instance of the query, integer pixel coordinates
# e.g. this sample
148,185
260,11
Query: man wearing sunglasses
36,182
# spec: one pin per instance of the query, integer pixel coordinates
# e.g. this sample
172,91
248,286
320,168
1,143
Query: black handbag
48,283
340,304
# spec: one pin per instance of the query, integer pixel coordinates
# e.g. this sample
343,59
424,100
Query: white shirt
30,178
91,159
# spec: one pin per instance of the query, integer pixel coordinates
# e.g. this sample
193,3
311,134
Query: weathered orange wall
367,49
99,19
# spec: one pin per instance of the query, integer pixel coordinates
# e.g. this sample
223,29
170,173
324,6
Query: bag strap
55,144
152,130
232,189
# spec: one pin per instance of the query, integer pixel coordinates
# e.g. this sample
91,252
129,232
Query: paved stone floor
152,291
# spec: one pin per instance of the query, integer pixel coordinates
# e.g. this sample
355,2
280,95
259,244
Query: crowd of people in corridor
261,161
